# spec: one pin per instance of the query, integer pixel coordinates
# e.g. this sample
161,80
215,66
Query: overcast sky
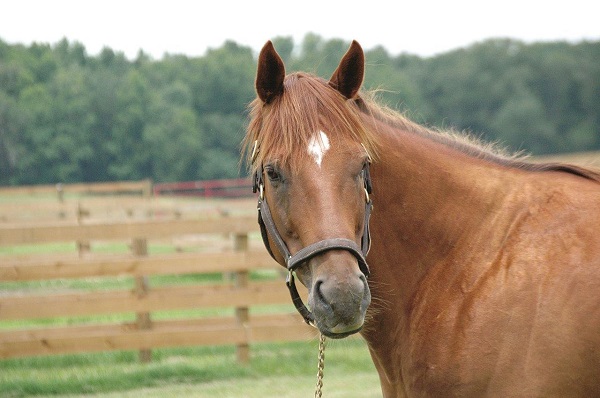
190,27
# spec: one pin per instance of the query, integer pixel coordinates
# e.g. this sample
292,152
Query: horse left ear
348,76
270,73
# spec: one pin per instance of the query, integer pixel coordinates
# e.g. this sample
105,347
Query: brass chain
320,366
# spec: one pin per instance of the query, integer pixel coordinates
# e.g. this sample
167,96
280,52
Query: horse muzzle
339,297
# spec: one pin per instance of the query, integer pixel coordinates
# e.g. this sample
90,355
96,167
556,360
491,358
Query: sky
421,27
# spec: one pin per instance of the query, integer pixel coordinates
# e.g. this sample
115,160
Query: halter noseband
268,228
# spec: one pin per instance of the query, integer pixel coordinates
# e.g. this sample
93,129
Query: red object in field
227,188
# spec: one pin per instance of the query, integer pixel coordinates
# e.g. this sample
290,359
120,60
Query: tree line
66,116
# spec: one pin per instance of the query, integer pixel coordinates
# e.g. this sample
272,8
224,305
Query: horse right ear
349,75
270,73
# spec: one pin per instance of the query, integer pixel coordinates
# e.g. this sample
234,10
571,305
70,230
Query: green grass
275,370
54,248
71,248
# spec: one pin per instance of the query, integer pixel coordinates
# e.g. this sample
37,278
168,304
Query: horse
483,274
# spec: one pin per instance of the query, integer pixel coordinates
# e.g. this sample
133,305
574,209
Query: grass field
275,370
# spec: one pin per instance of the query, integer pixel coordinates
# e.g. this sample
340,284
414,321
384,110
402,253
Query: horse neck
434,206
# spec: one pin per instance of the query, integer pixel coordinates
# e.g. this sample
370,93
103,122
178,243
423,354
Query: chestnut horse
483,276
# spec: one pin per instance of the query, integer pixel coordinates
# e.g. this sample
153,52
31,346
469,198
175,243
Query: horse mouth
340,335
340,331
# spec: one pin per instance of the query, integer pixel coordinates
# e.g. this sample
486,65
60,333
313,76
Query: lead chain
320,366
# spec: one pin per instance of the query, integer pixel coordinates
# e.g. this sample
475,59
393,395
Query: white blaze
318,146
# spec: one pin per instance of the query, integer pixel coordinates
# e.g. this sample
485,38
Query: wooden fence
23,303
140,222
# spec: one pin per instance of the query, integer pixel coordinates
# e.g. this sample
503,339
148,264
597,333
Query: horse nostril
319,292
363,278
329,293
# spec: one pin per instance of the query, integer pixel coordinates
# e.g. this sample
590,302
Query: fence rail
143,187
11,234
23,310
128,336
69,267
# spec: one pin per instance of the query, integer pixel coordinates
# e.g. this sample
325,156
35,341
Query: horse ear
348,76
270,73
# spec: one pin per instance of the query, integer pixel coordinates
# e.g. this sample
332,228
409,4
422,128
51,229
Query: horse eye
272,174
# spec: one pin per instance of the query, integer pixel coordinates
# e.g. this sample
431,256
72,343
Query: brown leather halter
268,228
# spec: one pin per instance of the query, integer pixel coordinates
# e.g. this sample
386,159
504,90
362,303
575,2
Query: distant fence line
221,188
143,187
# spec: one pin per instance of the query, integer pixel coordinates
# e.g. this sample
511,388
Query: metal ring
261,191
368,199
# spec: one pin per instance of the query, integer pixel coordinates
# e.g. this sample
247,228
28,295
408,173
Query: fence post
60,191
83,247
139,248
242,313
147,191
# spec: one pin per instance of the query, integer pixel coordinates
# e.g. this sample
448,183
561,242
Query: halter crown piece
268,228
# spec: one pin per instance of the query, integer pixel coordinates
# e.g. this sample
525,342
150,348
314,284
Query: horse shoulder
529,314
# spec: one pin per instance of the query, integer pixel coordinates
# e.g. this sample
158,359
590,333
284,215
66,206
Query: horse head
310,157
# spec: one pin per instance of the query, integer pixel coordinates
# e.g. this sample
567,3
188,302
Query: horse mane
467,143
284,127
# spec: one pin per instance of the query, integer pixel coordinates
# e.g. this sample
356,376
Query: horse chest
501,339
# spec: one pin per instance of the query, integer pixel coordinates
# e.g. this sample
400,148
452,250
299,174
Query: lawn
275,370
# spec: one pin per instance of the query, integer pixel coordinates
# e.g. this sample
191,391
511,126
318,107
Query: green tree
221,136
12,121
223,80
130,156
57,138
393,85
66,116
171,138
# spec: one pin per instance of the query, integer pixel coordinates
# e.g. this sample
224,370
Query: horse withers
483,277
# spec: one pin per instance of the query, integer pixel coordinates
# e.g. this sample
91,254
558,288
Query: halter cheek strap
268,228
